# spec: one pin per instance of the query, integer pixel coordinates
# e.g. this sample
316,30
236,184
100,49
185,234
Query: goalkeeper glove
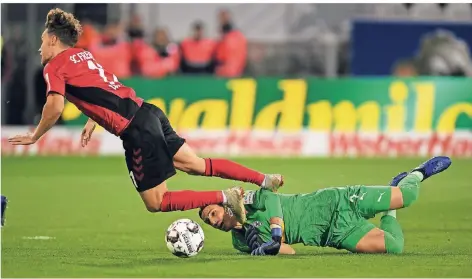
253,240
270,247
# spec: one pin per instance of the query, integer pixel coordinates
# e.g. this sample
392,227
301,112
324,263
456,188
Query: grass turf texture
101,228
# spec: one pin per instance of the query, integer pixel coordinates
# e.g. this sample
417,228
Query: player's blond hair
63,25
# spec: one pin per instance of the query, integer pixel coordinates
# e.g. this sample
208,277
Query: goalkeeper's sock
394,240
410,187
186,200
392,213
231,170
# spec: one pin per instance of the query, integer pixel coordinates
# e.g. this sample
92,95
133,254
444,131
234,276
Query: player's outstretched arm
273,206
270,202
52,110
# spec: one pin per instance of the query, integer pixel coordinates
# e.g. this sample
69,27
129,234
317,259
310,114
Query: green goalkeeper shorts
356,205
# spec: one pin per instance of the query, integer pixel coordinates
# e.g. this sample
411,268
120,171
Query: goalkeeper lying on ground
333,217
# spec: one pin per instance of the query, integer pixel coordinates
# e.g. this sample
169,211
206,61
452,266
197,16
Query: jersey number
95,66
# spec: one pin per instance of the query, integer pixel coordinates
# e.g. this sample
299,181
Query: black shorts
150,144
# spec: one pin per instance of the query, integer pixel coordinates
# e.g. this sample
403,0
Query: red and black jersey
75,74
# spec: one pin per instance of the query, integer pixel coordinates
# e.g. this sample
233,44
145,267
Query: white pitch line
39,237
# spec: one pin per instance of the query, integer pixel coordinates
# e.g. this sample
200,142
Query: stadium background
335,84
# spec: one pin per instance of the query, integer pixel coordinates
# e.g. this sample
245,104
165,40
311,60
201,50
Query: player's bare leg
389,238
187,161
386,239
372,242
159,199
153,197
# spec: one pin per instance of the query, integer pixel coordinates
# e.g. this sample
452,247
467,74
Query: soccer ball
185,238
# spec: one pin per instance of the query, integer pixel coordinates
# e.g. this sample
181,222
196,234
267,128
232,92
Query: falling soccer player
332,217
153,150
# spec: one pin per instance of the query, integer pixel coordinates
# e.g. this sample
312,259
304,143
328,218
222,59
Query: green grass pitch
100,228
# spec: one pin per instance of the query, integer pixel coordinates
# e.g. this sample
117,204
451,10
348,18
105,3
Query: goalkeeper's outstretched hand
269,248
258,247
253,240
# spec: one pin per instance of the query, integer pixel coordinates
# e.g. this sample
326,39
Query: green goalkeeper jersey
307,217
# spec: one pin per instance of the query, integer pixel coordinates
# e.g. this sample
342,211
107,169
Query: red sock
186,200
230,170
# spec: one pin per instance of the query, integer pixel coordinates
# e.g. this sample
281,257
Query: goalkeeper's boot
273,182
433,166
235,203
397,179
4,208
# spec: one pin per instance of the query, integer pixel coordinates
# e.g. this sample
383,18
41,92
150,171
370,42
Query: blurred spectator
197,52
135,28
231,50
113,51
90,36
443,54
405,68
135,33
163,45
159,59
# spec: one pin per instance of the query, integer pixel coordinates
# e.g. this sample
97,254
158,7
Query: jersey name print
97,93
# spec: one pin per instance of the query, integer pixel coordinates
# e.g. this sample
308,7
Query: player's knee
153,198
153,208
394,245
396,248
